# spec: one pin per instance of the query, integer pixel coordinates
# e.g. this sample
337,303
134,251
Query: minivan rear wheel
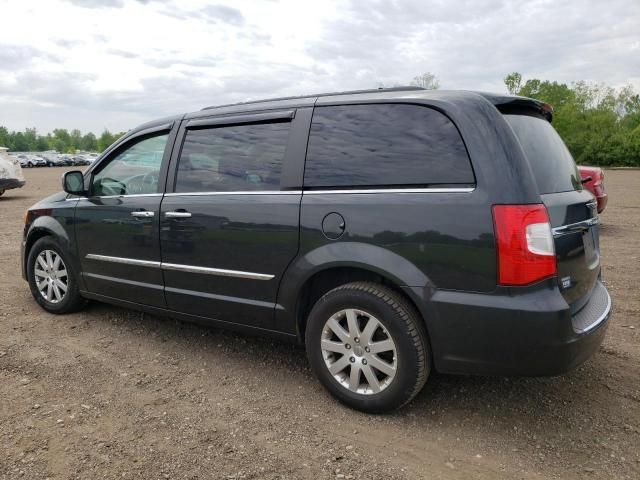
52,279
368,347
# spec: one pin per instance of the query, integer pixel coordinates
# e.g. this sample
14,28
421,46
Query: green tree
19,143
89,143
62,140
4,137
598,123
75,139
31,138
426,80
513,81
106,139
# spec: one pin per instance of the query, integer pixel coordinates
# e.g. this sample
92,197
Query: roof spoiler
516,104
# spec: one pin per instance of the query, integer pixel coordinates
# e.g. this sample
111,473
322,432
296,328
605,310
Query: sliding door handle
142,214
177,214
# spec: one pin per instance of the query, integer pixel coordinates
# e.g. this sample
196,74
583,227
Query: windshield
550,160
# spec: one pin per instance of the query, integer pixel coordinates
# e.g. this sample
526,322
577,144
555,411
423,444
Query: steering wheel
150,182
107,186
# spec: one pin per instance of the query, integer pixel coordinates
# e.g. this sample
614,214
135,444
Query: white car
10,172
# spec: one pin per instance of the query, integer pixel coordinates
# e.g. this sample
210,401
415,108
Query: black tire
71,301
30,165
402,323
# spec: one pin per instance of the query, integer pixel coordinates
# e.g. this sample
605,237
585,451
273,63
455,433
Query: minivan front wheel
368,346
51,278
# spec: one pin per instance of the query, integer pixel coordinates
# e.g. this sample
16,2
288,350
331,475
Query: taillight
526,250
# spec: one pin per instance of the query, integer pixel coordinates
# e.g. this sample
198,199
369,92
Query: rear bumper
529,333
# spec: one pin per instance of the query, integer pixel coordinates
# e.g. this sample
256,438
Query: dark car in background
80,160
593,180
56,160
393,232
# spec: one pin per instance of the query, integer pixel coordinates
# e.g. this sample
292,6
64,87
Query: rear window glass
551,162
384,145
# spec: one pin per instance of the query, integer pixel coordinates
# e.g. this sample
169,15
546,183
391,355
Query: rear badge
566,282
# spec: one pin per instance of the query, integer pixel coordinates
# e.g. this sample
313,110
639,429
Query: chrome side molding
126,261
221,272
216,271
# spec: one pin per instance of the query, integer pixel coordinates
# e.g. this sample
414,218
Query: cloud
15,57
220,13
122,53
209,13
116,63
473,44
97,3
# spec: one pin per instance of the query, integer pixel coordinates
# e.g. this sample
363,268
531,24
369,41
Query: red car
593,180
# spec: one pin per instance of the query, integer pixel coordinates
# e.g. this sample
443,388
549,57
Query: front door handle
142,214
177,214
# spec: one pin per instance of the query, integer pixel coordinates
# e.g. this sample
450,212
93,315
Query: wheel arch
46,226
314,274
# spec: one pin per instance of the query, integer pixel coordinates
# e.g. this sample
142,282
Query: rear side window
233,158
384,145
551,162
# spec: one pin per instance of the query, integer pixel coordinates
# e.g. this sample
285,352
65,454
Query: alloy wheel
359,351
51,276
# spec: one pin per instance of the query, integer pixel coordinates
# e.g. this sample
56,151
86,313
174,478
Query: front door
228,230
117,224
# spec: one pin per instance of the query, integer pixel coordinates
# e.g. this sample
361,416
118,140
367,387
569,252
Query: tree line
599,124
60,140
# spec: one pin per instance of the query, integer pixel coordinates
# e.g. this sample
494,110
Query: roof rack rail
329,94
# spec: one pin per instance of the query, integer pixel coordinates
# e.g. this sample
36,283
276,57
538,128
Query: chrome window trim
393,190
325,192
181,268
253,192
120,196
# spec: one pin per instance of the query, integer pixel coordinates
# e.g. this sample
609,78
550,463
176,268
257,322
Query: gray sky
95,64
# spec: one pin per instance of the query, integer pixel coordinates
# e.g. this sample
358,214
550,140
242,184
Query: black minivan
393,232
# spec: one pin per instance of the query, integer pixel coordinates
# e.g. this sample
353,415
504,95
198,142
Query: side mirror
73,183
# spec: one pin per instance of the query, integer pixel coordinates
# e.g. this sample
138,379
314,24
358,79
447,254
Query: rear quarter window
382,145
551,162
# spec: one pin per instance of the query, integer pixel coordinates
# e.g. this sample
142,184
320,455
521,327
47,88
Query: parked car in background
10,172
375,227
593,180
79,160
35,161
65,160
55,160
23,159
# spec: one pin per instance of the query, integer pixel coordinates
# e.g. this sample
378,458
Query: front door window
133,171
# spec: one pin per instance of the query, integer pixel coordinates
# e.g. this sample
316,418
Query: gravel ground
112,393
